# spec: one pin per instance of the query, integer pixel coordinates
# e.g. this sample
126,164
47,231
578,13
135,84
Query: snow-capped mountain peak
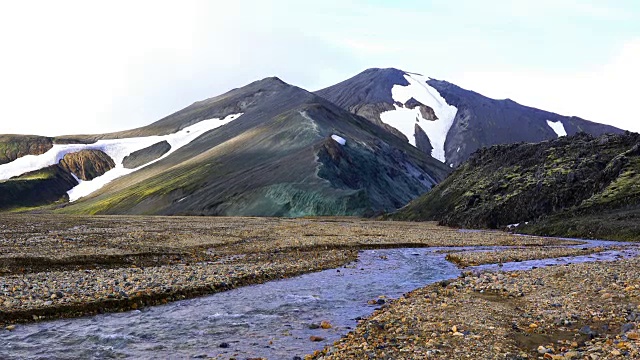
418,104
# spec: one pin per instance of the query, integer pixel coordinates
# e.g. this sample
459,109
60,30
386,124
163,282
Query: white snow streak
405,119
340,140
557,127
117,149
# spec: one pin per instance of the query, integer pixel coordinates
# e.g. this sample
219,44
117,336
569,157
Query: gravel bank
64,266
475,258
580,311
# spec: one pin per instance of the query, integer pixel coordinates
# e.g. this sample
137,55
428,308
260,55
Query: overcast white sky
89,67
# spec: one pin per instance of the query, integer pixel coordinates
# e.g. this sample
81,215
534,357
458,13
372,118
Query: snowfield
340,140
117,149
557,127
405,119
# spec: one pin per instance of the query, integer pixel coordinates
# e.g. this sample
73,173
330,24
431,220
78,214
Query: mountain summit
266,149
367,145
445,120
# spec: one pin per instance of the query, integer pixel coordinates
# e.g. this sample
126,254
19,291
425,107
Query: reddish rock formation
87,164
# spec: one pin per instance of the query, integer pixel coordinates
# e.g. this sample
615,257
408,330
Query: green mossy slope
577,186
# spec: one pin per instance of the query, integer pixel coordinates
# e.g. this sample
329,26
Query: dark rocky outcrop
36,188
147,155
559,187
16,146
87,164
422,140
426,111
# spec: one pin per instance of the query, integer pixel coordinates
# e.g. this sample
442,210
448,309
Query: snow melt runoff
117,149
405,119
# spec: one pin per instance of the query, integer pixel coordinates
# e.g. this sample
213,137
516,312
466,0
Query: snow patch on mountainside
117,149
557,127
405,119
339,139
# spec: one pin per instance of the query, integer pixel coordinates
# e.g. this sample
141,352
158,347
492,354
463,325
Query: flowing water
272,320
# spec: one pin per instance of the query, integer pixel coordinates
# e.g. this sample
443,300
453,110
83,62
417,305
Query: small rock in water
325,325
10,327
224,345
314,326
316,338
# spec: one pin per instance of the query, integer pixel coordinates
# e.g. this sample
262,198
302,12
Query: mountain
575,186
266,149
445,120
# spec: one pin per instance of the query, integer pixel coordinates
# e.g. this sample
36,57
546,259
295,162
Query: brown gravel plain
62,266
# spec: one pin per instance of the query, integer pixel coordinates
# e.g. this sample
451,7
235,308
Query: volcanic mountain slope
445,120
576,186
267,149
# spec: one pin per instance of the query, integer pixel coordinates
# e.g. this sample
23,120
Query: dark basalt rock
36,188
426,111
147,155
422,140
550,185
87,164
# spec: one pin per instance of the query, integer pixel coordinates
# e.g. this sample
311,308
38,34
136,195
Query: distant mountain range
362,147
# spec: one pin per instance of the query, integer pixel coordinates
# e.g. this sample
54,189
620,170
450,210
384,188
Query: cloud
87,67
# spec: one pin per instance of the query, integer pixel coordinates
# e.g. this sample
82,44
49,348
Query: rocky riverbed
474,258
66,266
577,311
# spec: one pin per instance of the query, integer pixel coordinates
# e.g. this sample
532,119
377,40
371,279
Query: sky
71,67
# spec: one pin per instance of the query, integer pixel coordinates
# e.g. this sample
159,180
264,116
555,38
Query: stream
274,320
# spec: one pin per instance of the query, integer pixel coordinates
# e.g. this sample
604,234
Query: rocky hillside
16,146
266,149
445,120
578,186
36,188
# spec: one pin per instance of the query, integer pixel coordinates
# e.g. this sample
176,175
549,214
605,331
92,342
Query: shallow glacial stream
270,320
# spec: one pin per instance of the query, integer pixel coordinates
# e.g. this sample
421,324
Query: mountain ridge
272,149
275,157
479,121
